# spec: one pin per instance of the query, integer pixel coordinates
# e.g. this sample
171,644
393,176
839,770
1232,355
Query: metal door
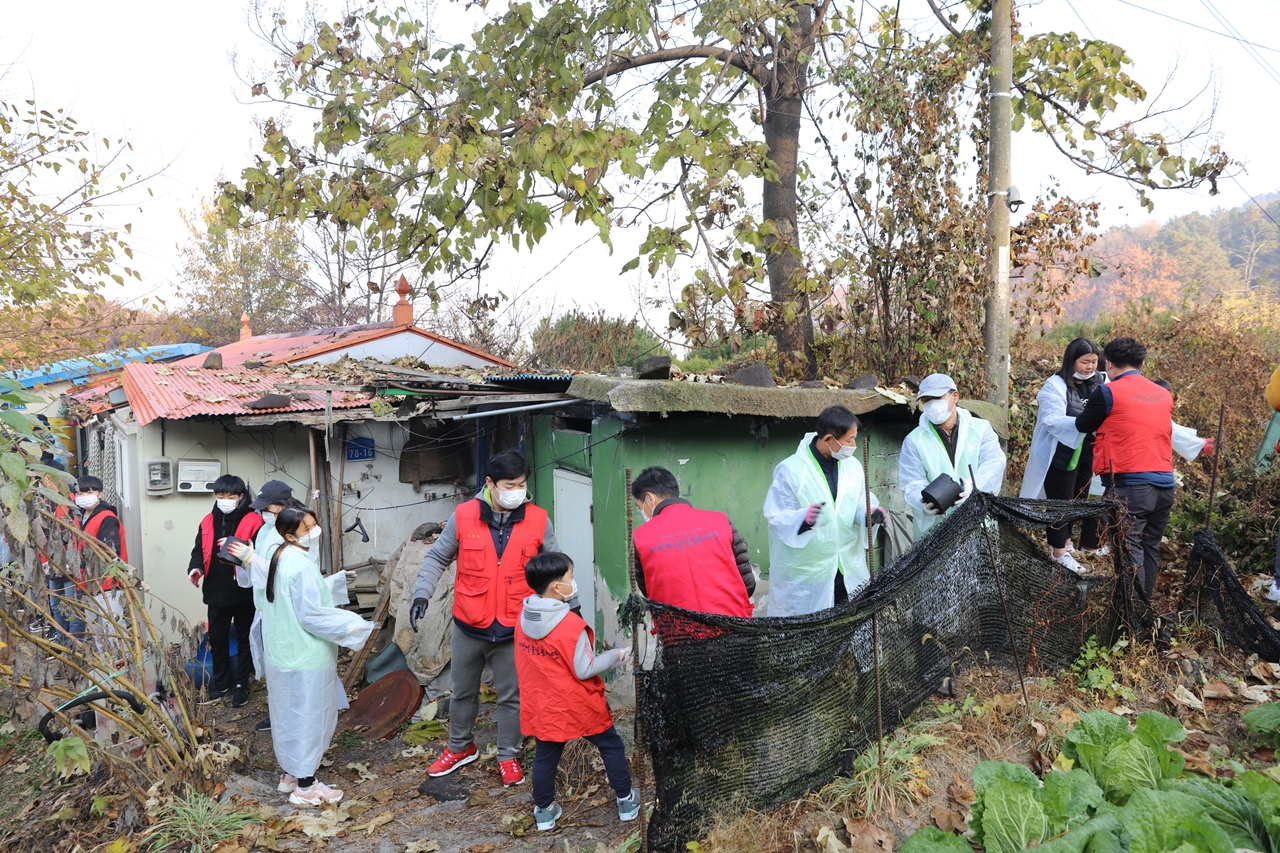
575,532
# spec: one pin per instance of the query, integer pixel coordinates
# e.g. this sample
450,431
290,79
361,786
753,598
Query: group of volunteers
1101,426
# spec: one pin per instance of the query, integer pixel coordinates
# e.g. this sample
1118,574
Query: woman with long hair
1060,463
301,632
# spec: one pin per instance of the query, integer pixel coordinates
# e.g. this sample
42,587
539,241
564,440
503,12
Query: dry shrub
751,832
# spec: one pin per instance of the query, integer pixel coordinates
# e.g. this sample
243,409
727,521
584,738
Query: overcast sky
161,75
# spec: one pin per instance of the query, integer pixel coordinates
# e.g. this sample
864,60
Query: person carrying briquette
492,537
229,604
690,558
1132,418
816,508
949,440
562,695
1060,462
302,628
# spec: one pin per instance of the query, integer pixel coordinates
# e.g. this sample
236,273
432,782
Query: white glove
351,577
241,552
623,653
966,489
930,509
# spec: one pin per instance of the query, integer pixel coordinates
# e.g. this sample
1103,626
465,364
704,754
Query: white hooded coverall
924,457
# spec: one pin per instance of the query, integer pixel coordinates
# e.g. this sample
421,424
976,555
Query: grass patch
195,823
902,784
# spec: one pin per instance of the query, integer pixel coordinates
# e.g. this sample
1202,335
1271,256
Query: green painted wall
722,463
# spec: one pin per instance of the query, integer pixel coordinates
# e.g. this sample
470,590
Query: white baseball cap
935,385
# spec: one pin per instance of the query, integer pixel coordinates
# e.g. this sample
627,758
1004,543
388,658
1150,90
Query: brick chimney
402,311
245,331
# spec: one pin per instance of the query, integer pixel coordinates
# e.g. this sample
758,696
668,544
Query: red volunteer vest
92,528
1137,435
488,588
555,704
686,555
246,530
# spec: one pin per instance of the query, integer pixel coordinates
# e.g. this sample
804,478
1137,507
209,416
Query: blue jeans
547,760
70,620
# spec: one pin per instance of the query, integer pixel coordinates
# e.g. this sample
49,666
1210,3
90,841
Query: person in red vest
562,696
492,537
228,602
690,558
100,520
1132,420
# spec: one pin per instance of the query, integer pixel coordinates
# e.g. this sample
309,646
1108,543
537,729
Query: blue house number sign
359,448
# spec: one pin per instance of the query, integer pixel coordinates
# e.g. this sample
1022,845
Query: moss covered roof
663,396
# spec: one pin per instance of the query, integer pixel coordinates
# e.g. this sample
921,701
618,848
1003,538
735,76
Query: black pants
842,594
547,760
1146,510
1063,485
227,674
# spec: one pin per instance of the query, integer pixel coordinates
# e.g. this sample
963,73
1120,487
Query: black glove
416,612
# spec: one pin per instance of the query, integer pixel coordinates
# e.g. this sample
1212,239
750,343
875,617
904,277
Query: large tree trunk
783,104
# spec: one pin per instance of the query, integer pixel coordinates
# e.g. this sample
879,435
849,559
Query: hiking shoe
1069,562
217,694
264,726
450,761
288,784
1273,594
629,806
317,795
239,697
545,819
511,772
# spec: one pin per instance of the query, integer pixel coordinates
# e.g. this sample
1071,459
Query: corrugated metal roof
177,391
71,369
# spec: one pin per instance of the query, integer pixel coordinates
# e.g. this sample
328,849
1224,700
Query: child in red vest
561,694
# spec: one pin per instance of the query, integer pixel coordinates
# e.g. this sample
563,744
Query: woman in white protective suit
1060,462
301,632
817,514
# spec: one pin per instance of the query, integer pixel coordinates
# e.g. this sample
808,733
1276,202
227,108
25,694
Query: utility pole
996,331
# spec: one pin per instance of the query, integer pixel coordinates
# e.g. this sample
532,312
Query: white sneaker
1273,594
1069,562
1104,551
317,795
288,784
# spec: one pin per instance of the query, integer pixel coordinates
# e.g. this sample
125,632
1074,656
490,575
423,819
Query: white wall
402,344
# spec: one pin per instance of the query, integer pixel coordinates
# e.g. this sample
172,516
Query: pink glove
877,515
811,516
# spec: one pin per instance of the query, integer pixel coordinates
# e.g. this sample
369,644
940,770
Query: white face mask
844,452
644,514
310,538
227,505
1082,377
86,501
269,518
937,411
511,498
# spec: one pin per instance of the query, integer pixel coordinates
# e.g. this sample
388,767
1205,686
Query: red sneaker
511,772
450,761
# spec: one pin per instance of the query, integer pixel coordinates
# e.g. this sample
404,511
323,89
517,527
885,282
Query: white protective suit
923,458
264,545
803,566
1053,427
301,631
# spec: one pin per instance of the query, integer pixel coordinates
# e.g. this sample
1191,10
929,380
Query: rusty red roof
178,391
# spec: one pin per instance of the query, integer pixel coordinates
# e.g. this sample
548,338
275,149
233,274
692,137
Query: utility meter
159,476
196,476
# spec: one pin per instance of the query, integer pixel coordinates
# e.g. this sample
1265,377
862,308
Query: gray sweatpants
467,659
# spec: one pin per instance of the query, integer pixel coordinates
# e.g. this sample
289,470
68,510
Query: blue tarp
73,369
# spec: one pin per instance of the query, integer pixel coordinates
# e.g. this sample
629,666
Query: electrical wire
1239,38
1199,27
1255,201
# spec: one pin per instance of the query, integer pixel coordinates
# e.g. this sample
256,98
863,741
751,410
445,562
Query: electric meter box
159,476
196,476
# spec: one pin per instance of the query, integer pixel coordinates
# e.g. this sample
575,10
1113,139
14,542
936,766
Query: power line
1255,201
1253,54
1082,22
1199,27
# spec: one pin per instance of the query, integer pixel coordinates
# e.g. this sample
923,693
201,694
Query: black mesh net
1215,594
743,713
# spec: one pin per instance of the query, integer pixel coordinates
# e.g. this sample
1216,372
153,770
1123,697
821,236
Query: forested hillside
1190,258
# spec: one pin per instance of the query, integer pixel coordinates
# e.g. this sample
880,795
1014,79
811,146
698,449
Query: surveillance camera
1014,199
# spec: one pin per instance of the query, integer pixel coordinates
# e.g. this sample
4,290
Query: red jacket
246,530
91,529
489,587
1137,434
687,558
555,705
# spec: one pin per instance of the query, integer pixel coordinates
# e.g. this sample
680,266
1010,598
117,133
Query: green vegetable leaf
987,774
1156,731
1170,822
1092,739
1264,719
1100,835
1129,766
930,839
1068,799
1012,818
1265,794
1230,810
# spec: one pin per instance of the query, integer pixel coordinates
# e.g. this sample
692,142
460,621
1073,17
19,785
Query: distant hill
1193,258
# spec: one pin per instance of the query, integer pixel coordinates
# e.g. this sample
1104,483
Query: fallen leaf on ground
1123,710
960,792
413,752
64,814
1199,764
357,809
1180,695
828,841
8,728
382,819
366,775
385,795
20,768
422,845
478,798
1264,755
121,845
481,848
1267,672
423,732
1252,692
1040,730
947,820
1006,702
430,710
249,834
866,837
1068,717
1218,690
488,694
515,825
324,825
